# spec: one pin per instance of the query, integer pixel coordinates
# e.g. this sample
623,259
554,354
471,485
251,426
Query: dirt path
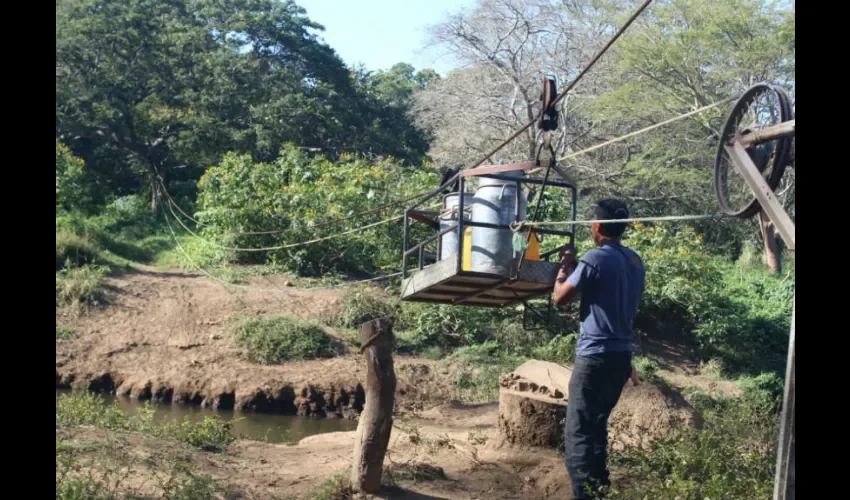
164,336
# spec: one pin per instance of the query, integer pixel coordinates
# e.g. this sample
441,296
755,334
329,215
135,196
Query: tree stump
532,404
376,420
529,422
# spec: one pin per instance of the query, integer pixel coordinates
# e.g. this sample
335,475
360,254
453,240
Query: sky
380,33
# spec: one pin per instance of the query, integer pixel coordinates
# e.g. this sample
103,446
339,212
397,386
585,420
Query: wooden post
376,420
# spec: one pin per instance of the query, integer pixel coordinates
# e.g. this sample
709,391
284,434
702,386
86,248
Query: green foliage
148,88
124,231
80,476
742,319
78,250
71,192
64,333
477,369
84,408
732,455
80,288
647,368
337,487
561,349
446,326
363,304
210,434
76,409
280,338
763,392
296,191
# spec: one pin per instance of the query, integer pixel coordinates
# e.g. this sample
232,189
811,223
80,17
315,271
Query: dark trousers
595,388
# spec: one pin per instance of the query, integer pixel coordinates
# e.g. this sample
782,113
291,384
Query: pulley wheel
762,105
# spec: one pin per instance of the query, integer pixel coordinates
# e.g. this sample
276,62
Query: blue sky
380,33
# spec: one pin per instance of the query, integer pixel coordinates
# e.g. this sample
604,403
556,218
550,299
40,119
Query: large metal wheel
761,106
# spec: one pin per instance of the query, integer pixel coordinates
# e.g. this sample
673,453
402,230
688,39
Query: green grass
647,368
362,304
732,455
478,368
275,339
64,333
99,471
80,288
74,249
337,487
76,409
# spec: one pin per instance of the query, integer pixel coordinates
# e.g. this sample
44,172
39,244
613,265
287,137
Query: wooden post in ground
376,420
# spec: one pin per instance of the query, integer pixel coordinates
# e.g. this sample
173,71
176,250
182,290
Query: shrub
75,409
561,349
733,455
647,368
64,333
71,192
478,368
280,338
763,393
74,249
296,191
84,408
210,434
80,288
362,304
446,326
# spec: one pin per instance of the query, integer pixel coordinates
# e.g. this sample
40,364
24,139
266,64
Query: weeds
360,305
74,249
478,368
731,456
280,338
76,409
64,333
647,368
337,487
80,288
84,475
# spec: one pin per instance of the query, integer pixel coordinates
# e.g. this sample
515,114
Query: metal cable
572,84
281,247
666,218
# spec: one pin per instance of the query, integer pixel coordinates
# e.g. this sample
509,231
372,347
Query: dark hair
611,209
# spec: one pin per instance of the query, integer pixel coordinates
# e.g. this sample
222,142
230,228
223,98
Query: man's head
607,210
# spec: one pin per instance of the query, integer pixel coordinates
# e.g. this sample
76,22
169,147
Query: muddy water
256,426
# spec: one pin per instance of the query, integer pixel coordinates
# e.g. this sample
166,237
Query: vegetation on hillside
240,115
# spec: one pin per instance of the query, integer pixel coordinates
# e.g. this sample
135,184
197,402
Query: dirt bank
451,451
164,336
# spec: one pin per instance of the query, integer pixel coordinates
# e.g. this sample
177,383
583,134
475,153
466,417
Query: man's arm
564,291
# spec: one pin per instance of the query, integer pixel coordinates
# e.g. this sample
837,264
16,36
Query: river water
256,426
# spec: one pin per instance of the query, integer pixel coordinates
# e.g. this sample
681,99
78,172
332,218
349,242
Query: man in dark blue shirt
610,280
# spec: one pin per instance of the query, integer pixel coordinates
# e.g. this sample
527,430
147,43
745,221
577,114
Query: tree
176,83
505,47
678,56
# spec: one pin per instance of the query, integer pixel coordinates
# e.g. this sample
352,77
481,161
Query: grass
80,288
100,472
732,455
78,250
362,304
647,368
280,338
76,409
478,368
337,487
64,333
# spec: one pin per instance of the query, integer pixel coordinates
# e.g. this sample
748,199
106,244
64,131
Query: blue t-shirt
610,280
